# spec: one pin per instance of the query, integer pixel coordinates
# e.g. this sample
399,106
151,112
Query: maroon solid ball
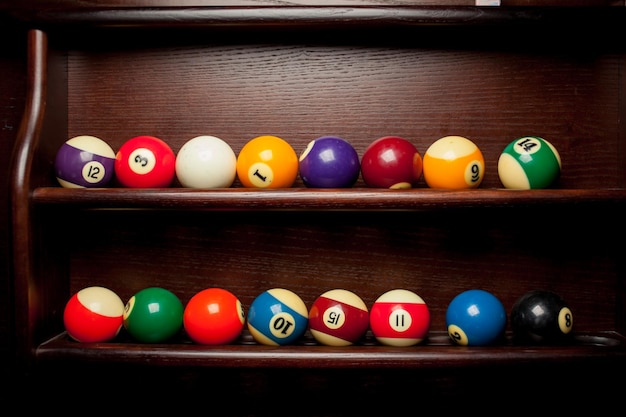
391,162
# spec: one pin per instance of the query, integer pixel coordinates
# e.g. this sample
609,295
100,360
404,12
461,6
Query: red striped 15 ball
145,162
453,162
93,314
277,317
529,162
399,317
84,162
213,316
391,162
267,162
338,318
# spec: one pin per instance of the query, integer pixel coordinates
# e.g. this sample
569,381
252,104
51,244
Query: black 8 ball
541,316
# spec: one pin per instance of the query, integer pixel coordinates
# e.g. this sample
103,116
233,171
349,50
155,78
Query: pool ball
338,318
541,316
391,162
277,317
214,316
329,162
453,162
153,315
529,162
93,314
145,162
84,162
475,318
267,162
399,317
206,162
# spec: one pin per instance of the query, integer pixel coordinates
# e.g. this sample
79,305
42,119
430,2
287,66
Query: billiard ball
453,162
338,318
399,317
329,162
529,162
277,317
93,314
84,162
145,162
267,162
541,316
391,162
206,162
153,315
213,316
475,317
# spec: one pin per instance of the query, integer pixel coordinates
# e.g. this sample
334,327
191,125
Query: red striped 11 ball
84,162
338,318
277,317
399,317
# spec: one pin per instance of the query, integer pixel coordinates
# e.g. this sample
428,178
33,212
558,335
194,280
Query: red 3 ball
213,316
338,318
145,162
391,162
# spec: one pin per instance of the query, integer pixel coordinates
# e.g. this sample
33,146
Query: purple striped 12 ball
84,162
277,317
475,318
399,317
338,318
329,162
529,162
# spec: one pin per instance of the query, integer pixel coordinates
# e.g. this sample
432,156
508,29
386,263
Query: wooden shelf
317,199
435,352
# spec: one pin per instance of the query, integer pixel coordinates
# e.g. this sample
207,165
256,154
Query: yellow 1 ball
453,162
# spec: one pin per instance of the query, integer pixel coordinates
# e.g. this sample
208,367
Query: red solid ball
213,316
391,162
145,162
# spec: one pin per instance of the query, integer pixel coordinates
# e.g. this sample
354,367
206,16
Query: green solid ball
153,315
529,162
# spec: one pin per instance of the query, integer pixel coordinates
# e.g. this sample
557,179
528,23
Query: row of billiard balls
276,317
451,162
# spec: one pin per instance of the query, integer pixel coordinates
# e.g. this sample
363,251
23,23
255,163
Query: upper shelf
317,199
312,14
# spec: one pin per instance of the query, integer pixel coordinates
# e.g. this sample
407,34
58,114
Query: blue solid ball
475,318
329,162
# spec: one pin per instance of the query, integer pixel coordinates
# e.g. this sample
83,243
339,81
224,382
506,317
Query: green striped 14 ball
529,162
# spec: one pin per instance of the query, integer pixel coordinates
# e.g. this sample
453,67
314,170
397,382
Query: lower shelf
435,352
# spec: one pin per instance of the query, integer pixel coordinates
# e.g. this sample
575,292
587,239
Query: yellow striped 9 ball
453,162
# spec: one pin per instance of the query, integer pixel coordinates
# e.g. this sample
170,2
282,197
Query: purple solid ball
329,162
84,162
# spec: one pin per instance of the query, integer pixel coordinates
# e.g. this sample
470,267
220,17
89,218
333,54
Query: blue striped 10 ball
529,162
277,317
